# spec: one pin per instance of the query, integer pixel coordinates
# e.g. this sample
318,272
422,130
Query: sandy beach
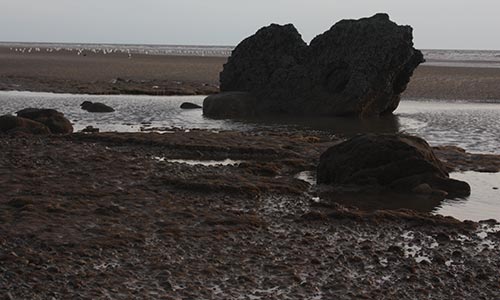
116,73
139,216
109,216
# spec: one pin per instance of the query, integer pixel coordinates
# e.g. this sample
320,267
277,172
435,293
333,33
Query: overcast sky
438,24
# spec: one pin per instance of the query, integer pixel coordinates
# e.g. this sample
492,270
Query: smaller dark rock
96,107
90,129
400,163
9,124
51,118
189,105
442,237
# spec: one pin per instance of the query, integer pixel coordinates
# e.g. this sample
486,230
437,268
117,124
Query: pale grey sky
438,24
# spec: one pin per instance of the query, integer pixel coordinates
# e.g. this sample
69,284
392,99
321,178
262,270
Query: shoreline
116,73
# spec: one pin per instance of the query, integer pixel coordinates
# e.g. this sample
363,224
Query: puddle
483,202
307,176
194,162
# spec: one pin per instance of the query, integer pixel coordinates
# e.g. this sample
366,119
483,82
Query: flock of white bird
150,50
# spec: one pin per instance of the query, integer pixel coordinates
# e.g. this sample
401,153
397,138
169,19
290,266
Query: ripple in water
472,126
131,112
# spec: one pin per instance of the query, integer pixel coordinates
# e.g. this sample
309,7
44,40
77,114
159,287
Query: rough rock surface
51,118
10,123
396,162
358,67
189,105
96,107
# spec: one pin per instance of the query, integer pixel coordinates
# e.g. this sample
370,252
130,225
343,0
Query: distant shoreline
119,72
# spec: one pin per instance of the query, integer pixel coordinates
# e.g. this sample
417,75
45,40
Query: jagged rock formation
358,67
399,163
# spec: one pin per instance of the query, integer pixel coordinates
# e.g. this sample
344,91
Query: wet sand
454,83
89,216
67,72
116,73
97,216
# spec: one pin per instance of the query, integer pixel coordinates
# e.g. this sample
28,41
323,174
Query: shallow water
131,112
482,204
470,125
473,126
195,162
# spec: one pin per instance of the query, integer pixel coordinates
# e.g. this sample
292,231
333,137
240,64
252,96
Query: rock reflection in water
482,204
344,126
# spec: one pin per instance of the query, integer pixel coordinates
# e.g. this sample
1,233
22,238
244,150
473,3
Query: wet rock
96,107
357,67
90,129
10,123
229,105
189,105
399,163
51,118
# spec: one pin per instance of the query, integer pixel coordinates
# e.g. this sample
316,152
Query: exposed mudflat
112,73
118,73
119,216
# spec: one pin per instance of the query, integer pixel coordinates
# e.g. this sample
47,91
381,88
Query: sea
472,125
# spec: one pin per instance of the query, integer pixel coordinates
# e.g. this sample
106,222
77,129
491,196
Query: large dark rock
51,118
393,162
9,123
96,107
358,67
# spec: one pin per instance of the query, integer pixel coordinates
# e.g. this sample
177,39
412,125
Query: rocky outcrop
229,105
358,67
399,163
9,123
96,107
51,118
189,105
